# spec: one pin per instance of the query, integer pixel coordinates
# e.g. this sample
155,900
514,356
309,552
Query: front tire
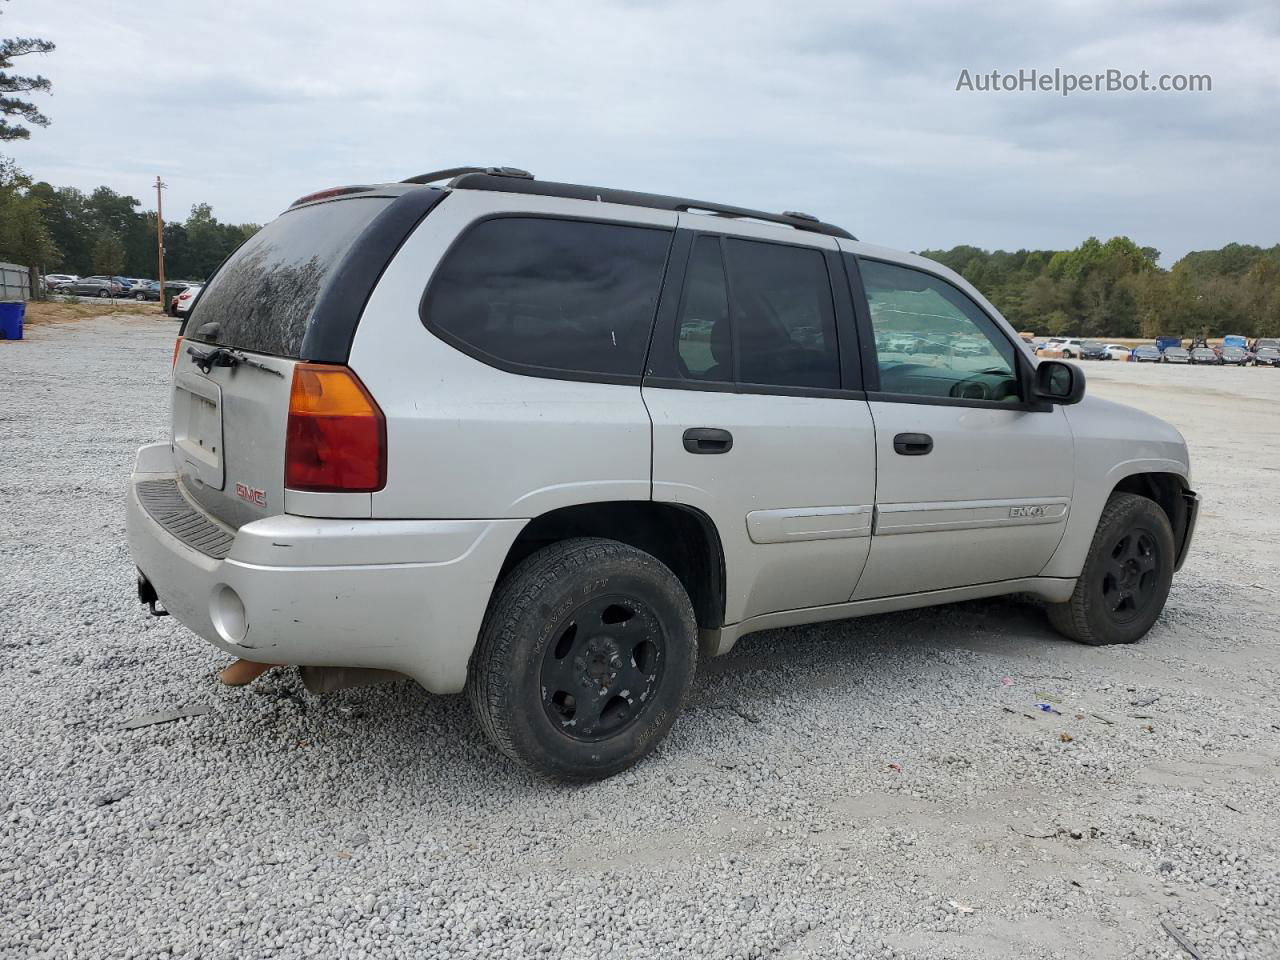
1125,582
584,660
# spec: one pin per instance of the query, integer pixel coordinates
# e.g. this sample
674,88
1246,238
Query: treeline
65,230
1116,289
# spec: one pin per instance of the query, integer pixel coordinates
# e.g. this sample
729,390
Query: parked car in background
54,280
1028,338
1267,357
171,290
1206,355
1145,354
1176,355
1118,351
1162,343
1068,348
1235,356
1092,350
93,287
146,290
1235,340
1265,342
182,302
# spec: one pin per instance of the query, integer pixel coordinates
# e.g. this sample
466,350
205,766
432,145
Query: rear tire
1125,582
103,294
585,658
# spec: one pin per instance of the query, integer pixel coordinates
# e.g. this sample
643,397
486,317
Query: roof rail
453,172
509,180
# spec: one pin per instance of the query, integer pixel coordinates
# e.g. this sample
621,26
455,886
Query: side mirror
1058,382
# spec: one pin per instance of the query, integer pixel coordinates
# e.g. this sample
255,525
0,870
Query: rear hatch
243,338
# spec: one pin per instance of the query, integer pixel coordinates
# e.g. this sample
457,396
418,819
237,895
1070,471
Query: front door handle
708,440
912,444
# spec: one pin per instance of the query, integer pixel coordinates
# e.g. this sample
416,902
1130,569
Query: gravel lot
882,787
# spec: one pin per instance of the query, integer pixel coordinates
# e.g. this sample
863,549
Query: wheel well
681,537
1166,489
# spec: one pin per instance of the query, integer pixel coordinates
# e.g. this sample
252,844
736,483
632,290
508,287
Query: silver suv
544,442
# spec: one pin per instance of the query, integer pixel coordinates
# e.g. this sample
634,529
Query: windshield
262,297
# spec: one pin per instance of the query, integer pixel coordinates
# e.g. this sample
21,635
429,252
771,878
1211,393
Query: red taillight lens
336,441
177,345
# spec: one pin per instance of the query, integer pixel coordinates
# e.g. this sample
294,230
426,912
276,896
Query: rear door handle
708,440
912,444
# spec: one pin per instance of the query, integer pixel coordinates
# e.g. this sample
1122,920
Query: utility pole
160,185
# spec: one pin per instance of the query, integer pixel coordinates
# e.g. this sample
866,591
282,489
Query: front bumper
404,595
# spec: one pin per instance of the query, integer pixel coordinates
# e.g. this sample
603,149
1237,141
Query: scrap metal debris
1180,940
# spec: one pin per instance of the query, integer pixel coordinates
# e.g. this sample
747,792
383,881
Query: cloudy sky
846,110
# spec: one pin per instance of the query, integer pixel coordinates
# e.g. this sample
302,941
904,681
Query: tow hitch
147,595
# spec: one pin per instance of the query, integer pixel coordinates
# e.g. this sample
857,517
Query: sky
845,110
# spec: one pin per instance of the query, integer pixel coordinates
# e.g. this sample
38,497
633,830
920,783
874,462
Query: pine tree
13,83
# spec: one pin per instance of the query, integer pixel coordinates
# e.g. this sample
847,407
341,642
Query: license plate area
197,431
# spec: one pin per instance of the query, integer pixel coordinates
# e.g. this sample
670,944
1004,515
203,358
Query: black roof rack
454,172
512,180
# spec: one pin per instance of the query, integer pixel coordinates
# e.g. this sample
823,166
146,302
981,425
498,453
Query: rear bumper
406,595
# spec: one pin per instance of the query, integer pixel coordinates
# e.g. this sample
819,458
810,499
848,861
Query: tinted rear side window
545,295
784,318
263,296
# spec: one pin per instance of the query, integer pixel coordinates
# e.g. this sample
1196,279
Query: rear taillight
177,345
336,440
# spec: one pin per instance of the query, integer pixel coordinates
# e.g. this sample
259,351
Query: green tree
24,237
108,254
11,83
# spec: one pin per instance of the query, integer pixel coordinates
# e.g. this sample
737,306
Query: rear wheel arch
683,538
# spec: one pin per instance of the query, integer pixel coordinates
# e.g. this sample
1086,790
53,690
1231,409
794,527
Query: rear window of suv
550,297
262,298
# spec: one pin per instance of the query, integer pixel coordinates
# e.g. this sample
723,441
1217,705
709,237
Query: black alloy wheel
603,667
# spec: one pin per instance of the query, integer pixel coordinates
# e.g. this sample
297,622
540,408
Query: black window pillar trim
867,360
332,327
848,336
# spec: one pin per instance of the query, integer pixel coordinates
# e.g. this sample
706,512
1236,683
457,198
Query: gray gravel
879,788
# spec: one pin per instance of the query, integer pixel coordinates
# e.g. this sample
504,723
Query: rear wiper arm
206,360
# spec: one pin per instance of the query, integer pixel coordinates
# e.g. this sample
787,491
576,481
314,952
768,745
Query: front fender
1089,499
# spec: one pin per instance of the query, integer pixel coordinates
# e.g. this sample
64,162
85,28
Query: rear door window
262,298
768,321
545,296
783,315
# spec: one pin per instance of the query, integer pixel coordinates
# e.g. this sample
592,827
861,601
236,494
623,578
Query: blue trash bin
11,314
